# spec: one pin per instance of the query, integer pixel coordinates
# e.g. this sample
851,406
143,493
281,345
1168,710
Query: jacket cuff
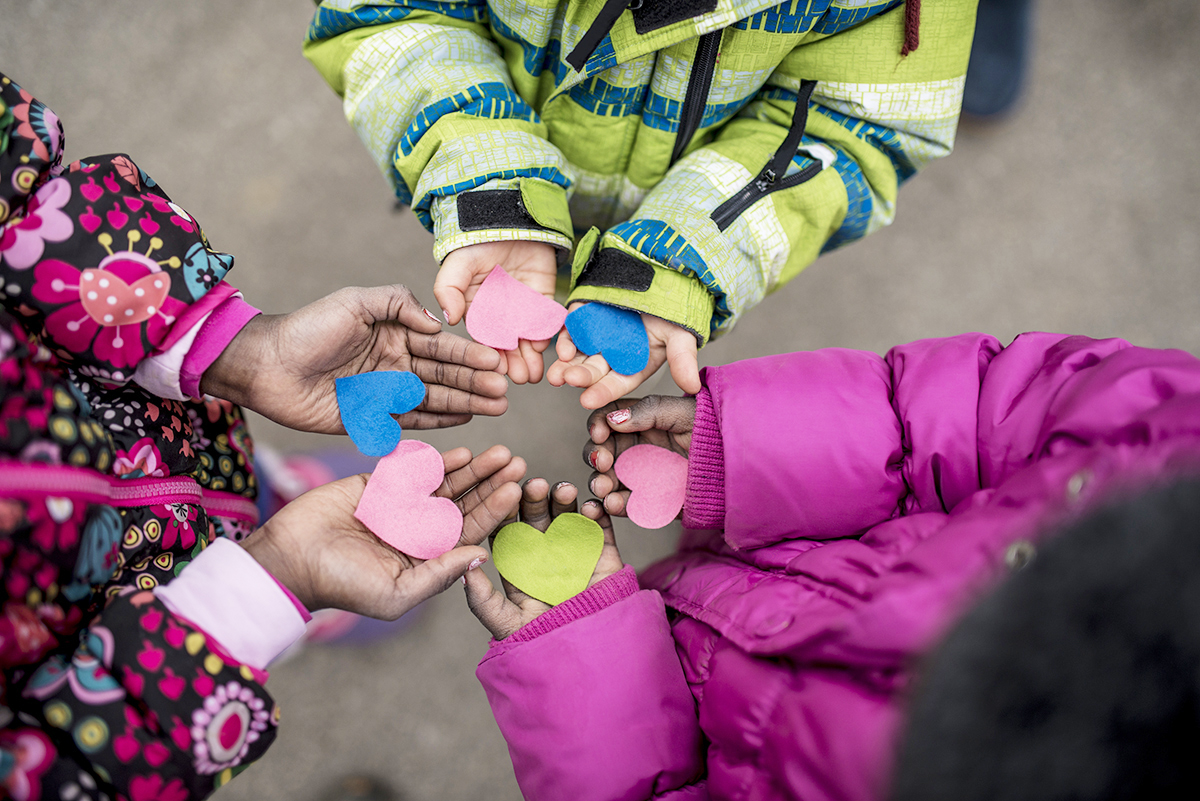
215,334
608,270
525,209
227,594
599,596
704,503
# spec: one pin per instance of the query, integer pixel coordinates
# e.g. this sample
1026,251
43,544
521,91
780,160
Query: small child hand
463,272
317,549
668,343
504,613
285,366
660,420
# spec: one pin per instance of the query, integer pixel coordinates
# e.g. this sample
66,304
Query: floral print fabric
104,693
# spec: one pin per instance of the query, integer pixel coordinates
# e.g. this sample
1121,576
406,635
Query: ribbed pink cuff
599,596
301,608
704,503
214,336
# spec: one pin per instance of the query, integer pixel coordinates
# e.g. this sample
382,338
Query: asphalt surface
1076,214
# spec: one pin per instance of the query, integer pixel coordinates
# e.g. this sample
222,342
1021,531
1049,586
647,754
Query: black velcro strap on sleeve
650,15
493,208
615,268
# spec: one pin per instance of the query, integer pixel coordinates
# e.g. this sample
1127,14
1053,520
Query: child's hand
534,264
659,420
668,343
284,366
504,613
317,549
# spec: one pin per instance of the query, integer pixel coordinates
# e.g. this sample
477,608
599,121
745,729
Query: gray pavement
1079,215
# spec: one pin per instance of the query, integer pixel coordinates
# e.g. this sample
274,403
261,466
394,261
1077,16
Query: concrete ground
1078,214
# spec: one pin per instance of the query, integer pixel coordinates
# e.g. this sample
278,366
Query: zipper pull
765,179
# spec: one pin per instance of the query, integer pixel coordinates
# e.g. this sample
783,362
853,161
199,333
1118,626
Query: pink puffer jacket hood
855,506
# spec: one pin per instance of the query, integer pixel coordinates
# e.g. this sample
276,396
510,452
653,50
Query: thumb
436,575
450,288
497,614
658,412
681,356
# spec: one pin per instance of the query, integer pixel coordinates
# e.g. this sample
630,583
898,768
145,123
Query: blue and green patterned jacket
669,128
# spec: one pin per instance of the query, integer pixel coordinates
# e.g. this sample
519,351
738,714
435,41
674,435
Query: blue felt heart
616,334
367,402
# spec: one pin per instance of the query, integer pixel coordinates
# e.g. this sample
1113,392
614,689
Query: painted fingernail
463,579
479,560
431,315
619,416
592,459
446,316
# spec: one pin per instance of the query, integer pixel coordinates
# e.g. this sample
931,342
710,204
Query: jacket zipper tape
772,177
691,115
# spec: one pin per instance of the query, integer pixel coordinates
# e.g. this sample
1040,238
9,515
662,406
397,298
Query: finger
518,369
597,424
599,457
655,413
681,356
453,349
394,303
450,288
494,507
557,373
590,371
535,503
462,474
595,511
615,502
564,346
601,484
426,579
533,360
419,419
564,498
499,616
539,345
446,400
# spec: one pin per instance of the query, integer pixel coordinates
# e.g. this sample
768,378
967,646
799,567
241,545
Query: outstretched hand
317,549
502,613
284,366
659,420
668,343
534,264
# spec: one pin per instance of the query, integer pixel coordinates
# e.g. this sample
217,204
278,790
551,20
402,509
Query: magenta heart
90,221
132,203
396,505
150,658
110,184
90,190
126,746
156,753
172,686
146,224
152,619
657,480
116,217
504,311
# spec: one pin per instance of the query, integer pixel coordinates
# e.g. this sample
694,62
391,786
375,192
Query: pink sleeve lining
602,594
704,503
225,322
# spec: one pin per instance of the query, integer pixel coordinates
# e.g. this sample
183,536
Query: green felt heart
553,566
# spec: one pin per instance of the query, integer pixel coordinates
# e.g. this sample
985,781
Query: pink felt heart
657,479
504,311
396,505
110,301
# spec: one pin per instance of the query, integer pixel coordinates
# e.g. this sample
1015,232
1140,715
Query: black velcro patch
617,269
493,208
655,14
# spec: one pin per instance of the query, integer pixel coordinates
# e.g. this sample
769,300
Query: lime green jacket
687,157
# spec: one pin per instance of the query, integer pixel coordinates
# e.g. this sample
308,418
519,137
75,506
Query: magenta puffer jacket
843,511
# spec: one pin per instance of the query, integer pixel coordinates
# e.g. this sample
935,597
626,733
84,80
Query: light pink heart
396,505
110,301
504,311
657,480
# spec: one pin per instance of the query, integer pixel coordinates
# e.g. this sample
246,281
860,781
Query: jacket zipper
772,177
704,65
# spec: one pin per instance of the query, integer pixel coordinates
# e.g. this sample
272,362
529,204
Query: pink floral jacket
120,676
